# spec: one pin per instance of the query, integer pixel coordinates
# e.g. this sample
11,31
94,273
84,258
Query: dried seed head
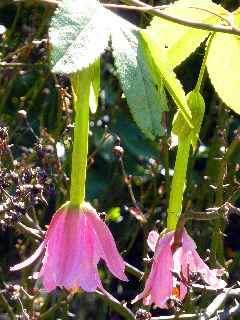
142,314
22,114
118,151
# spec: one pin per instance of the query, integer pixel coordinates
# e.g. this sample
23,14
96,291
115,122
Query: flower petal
88,277
159,284
152,240
209,276
107,247
162,285
31,259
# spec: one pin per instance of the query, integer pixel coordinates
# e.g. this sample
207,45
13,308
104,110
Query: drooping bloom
74,243
172,269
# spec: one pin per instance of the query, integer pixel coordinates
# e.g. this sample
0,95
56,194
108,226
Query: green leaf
114,213
223,65
197,105
143,90
79,33
237,17
179,41
164,71
181,128
95,86
133,140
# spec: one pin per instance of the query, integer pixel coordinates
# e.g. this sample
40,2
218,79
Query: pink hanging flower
74,243
173,266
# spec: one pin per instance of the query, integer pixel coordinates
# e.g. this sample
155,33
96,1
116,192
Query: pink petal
107,247
152,240
40,249
209,276
162,285
180,259
48,279
159,285
193,263
187,242
51,268
31,259
87,275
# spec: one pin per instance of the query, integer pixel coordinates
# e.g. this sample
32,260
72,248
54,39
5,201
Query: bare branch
232,29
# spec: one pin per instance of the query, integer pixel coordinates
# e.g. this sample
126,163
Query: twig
134,271
105,138
7,306
130,190
222,315
212,213
214,306
230,291
228,313
50,312
163,7
189,23
233,147
32,231
53,2
4,64
139,5
116,305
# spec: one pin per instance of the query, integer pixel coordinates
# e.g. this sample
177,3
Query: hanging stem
178,182
203,66
180,168
81,90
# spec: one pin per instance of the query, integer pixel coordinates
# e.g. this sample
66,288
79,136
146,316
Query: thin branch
234,146
232,29
222,315
134,271
61,301
228,313
212,213
163,7
139,5
4,64
51,2
116,305
182,316
215,305
32,231
229,291
7,307
130,190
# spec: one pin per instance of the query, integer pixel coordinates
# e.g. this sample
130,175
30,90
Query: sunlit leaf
179,41
180,127
144,91
95,86
164,71
223,65
79,33
114,214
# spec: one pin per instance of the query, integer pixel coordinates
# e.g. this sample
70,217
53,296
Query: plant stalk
81,90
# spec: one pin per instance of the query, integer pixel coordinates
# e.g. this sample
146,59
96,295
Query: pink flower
173,266
74,243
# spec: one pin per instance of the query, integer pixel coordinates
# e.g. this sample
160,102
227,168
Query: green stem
81,89
203,66
178,182
181,164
